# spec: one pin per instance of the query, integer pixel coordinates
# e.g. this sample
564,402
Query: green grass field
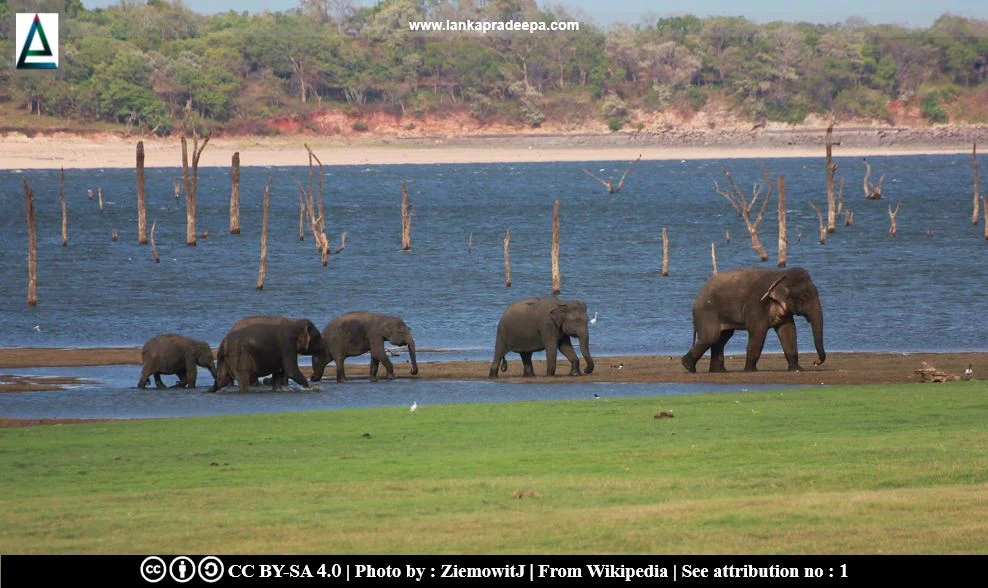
870,469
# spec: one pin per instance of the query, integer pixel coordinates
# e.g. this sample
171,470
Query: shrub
360,126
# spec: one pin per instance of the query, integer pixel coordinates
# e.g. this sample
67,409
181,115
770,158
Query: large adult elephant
315,344
754,299
256,350
535,324
174,354
356,333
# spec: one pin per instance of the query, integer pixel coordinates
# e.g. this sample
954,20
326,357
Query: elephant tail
504,364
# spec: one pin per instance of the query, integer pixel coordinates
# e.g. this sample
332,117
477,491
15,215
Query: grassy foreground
869,469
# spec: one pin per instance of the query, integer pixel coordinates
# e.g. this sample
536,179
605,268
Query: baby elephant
356,333
174,354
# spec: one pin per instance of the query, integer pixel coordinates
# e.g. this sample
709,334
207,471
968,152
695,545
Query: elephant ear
777,294
558,315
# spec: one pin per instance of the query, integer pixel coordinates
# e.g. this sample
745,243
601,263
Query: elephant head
308,340
204,357
397,332
570,317
795,293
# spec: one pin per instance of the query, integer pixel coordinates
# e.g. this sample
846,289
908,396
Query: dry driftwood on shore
928,373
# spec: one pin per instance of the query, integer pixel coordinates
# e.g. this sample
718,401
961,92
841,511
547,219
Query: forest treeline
149,65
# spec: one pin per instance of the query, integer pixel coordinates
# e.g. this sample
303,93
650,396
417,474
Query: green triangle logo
45,51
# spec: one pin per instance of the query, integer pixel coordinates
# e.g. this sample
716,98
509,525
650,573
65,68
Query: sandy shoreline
843,368
18,152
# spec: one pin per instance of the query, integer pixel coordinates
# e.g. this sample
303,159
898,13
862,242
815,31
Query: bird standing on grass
968,373
413,406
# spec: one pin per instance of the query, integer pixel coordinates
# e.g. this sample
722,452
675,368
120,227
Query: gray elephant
174,354
279,379
535,324
356,333
754,299
255,350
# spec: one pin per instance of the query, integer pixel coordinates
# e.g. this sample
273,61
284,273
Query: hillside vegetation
145,66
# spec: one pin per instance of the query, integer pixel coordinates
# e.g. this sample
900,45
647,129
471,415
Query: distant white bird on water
413,407
593,321
37,328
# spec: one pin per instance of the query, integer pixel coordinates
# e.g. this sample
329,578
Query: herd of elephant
752,299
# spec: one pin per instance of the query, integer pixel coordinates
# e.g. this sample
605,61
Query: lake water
916,291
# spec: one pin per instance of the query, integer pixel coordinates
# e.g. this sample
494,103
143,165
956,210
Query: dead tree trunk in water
470,243
322,242
99,192
713,256
984,207
872,192
892,213
507,259
142,205
65,210
235,195
608,184
315,223
727,234
32,247
154,248
176,186
406,220
191,184
262,272
977,183
840,196
783,241
665,252
848,218
555,248
831,171
301,218
743,207
819,216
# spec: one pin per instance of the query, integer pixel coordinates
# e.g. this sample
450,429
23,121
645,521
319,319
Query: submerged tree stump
235,194
665,252
263,271
142,205
892,215
554,254
65,210
406,219
819,216
872,192
713,257
781,213
191,181
743,207
507,259
977,182
608,185
831,172
32,246
154,248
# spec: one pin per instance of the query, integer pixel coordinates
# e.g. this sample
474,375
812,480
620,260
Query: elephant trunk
411,355
319,361
816,322
212,370
585,350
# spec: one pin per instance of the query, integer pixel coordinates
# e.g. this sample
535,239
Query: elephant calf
356,333
174,354
535,324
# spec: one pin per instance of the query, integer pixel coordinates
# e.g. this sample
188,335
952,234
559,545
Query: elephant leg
756,341
378,353
291,370
191,371
787,337
550,357
528,370
717,351
181,380
566,347
340,369
704,338
374,363
145,377
243,379
499,352
157,381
